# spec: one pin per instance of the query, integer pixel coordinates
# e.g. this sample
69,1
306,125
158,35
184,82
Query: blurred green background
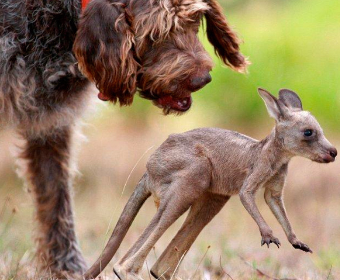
291,44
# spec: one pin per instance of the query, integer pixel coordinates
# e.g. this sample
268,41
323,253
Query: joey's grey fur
201,169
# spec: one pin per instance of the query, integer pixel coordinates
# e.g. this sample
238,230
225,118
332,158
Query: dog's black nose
200,81
333,152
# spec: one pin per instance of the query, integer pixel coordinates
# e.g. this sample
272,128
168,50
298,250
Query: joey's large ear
290,99
223,38
272,105
103,48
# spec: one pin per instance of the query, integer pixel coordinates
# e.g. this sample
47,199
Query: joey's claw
268,240
301,246
277,242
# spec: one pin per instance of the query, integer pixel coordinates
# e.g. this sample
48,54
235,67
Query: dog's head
152,46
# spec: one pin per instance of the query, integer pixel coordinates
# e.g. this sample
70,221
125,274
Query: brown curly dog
123,46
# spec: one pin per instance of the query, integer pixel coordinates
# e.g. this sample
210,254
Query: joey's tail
129,213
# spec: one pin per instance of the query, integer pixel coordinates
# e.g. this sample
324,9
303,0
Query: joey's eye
308,132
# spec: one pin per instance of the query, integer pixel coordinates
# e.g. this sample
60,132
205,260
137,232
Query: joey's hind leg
129,267
171,208
119,268
48,168
201,213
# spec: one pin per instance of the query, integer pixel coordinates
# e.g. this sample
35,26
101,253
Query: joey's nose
199,82
333,152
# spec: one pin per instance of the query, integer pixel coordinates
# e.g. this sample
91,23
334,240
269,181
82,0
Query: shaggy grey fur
42,96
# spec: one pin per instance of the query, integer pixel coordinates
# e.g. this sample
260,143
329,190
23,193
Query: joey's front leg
273,197
247,196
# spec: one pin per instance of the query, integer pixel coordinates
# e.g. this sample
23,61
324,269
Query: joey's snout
333,152
330,155
328,151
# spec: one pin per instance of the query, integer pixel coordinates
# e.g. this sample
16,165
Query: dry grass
106,160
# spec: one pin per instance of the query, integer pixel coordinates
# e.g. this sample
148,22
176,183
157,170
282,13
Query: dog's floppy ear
103,48
223,38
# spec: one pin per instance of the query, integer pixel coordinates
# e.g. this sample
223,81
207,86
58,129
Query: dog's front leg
48,168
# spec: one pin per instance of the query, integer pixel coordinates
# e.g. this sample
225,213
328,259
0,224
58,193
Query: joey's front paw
269,238
301,246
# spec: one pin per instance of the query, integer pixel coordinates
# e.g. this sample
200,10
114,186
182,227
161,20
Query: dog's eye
308,132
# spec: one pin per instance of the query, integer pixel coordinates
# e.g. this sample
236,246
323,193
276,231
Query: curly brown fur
113,66
152,46
121,45
223,38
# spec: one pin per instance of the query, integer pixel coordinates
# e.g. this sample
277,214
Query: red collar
84,4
